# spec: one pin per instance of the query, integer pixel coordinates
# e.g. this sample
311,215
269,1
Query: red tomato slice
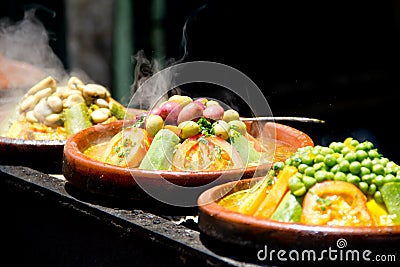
336,203
206,154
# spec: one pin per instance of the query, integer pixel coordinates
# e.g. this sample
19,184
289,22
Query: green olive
230,115
188,129
212,102
153,124
221,129
181,99
238,126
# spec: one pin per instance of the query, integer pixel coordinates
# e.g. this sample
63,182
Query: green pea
335,168
278,165
367,163
319,158
361,146
295,161
355,167
363,187
368,178
336,146
319,166
378,169
295,183
369,145
321,176
330,160
317,149
378,180
309,181
351,156
364,171
389,170
340,176
371,189
330,175
344,166
361,155
389,178
299,192
373,153
309,171
384,161
378,197
354,179
345,150
306,159
375,161
326,151
354,143
301,168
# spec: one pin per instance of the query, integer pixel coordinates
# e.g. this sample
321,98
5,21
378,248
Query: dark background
333,60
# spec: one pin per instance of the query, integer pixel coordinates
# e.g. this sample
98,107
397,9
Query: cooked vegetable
350,161
49,104
249,155
206,153
336,203
127,148
254,196
161,151
76,118
275,195
188,129
289,209
391,197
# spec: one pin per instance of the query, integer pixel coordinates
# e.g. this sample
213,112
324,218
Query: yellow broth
280,149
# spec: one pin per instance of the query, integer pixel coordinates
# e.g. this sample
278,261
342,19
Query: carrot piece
276,194
254,197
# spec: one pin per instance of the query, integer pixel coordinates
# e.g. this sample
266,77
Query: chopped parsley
205,127
218,151
138,123
202,139
324,202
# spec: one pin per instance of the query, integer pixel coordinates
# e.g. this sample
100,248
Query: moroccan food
185,134
50,111
345,184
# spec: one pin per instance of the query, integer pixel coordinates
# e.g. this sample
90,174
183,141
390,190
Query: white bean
30,116
28,103
42,110
45,83
73,99
73,83
44,93
100,115
55,103
102,103
53,119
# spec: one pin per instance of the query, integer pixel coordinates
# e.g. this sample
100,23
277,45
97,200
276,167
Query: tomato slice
206,154
336,203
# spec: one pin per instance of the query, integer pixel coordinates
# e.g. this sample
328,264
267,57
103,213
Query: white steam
27,41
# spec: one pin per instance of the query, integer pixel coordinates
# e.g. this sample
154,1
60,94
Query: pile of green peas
351,161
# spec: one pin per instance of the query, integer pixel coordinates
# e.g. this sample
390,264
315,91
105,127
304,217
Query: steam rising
145,97
28,41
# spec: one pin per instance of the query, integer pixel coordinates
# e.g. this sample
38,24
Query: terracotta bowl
45,156
97,177
245,230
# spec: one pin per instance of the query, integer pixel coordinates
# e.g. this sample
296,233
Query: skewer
301,119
